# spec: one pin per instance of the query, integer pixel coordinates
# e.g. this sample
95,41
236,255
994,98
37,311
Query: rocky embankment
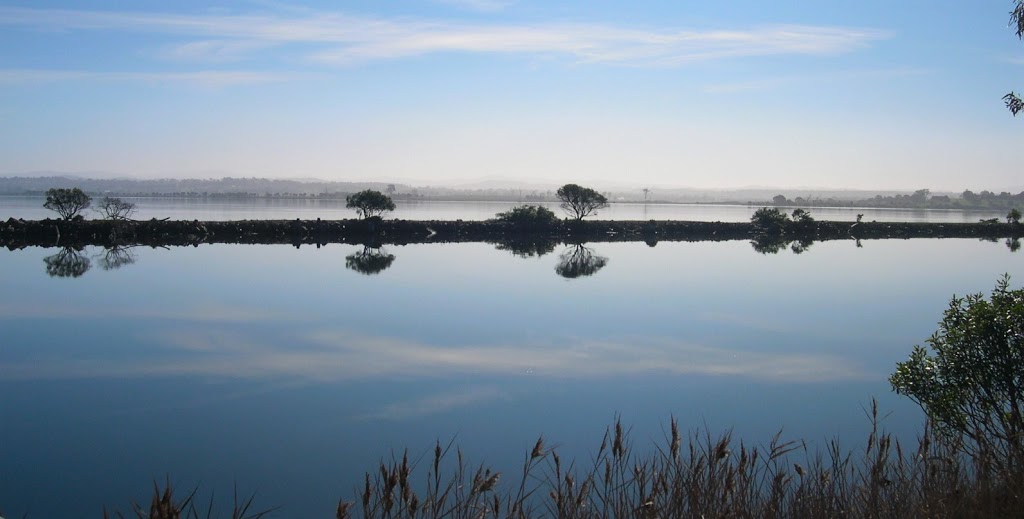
16,234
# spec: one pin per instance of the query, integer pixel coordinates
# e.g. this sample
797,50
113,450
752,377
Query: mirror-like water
31,208
291,371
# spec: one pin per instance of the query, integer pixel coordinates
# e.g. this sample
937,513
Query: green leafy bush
527,215
769,219
970,378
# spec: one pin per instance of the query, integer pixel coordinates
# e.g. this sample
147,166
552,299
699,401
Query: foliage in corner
1013,102
369,203
970,378
68,203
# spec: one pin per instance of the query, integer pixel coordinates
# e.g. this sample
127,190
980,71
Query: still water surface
290,372
31,208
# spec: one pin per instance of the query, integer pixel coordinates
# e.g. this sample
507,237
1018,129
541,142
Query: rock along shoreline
17,233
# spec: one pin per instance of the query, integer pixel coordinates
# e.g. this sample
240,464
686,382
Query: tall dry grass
703,476
163,505
696,475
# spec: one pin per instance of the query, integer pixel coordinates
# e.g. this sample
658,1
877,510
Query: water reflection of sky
282,370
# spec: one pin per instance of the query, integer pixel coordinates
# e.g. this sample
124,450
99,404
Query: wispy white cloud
342,39
215,51
479,5
209,78
604,44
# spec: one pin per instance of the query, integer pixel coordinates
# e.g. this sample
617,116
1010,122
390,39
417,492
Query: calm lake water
291,372
31,208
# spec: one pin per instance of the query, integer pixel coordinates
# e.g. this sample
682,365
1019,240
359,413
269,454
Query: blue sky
874,94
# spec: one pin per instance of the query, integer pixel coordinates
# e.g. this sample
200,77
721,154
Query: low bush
527,216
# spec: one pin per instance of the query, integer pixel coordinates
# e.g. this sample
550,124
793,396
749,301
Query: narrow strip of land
16,234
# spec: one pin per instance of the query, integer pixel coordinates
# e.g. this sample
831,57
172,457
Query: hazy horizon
707,96
503,183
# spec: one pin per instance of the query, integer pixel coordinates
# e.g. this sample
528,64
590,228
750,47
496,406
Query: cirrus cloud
338,38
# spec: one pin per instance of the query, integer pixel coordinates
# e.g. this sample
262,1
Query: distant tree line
920,199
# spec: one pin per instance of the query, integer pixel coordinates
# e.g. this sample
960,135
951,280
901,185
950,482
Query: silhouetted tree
580,202
802,216
68,203
779,200
769,220
68,263
1013,102
369,203
1013,216
579,261
920,196
390,189
115,208
970,379
369,261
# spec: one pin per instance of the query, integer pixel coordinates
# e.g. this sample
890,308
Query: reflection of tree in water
772,244
801,246
768,244
116,257
1013,244
68,263
527,248
369,261
578,261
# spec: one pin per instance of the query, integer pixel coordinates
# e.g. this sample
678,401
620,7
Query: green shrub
527,215
970,378
769,219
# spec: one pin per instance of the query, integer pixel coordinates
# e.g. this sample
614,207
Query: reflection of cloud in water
434,404
746,321
200,313
341,355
